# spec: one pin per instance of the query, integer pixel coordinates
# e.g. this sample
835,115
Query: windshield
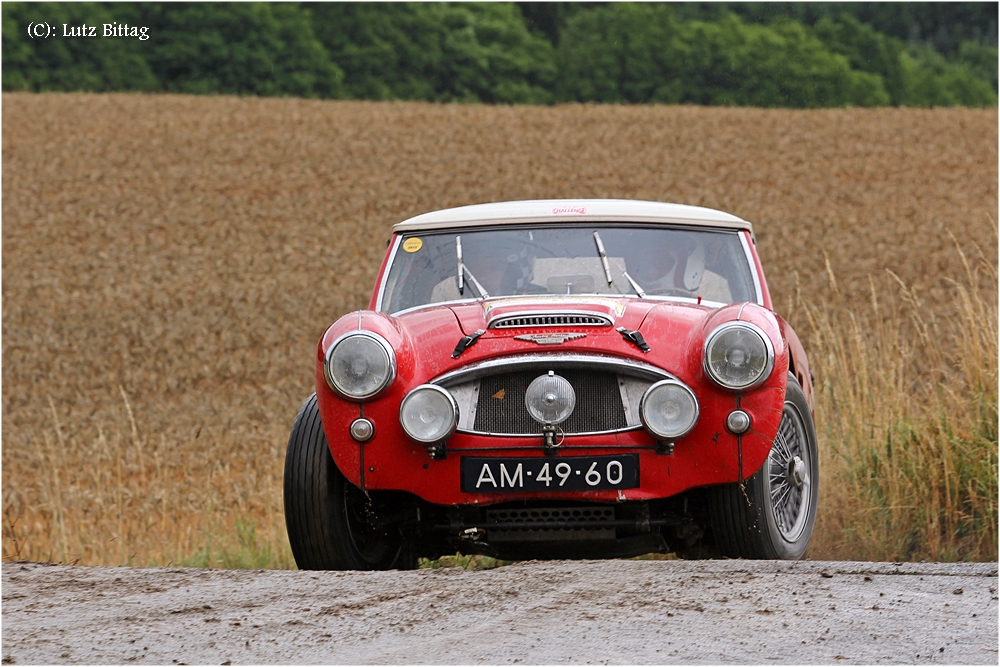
655,263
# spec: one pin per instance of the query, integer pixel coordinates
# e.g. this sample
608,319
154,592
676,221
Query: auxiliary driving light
668,409
550,399
429,414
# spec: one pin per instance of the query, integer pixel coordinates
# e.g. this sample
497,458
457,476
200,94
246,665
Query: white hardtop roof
571,211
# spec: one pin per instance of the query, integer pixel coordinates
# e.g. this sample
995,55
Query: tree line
801,55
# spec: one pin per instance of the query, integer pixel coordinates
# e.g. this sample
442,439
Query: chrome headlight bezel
713,338
389,359
661,433
444,434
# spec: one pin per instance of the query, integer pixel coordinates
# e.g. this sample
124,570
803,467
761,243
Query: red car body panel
423,340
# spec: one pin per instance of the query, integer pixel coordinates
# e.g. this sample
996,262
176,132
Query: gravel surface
606,612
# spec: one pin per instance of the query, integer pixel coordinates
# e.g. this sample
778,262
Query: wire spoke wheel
772,515
789,482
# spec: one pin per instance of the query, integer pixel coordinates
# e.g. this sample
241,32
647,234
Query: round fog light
362,429
738,422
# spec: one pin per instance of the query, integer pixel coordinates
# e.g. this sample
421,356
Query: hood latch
634,337
466,342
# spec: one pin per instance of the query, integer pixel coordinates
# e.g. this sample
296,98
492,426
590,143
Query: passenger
502,265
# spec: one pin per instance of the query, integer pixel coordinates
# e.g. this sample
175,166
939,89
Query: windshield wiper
604,258
607,268
635,285
463,270
461,266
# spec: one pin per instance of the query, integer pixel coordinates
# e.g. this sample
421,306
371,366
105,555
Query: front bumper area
708,455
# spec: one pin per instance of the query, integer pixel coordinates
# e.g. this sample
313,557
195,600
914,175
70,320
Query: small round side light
362,429
738,422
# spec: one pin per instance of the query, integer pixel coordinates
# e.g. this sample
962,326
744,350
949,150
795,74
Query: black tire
330,520
746,521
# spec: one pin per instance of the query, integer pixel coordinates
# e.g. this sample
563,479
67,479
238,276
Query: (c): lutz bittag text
113,29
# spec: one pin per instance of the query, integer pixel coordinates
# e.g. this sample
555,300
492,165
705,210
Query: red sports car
557,379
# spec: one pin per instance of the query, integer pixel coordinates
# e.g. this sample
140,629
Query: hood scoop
530,320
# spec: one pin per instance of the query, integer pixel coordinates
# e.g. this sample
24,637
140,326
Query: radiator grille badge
550,338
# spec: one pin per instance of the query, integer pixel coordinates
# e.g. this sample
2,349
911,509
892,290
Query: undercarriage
554,529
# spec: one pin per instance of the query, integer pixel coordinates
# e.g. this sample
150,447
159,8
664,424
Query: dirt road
610,612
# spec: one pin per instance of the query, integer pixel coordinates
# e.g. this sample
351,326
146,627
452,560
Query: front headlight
429,414
668,409
738,355
359,365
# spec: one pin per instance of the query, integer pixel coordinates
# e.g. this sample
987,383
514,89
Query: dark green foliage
942,24
640,53
933,81
621,53
58,63
737,53
866,50
548,18
778,65
981,60
243,48
437,51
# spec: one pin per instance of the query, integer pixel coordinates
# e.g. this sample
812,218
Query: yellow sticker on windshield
412,244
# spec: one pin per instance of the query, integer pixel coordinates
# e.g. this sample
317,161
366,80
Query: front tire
771,516
331,523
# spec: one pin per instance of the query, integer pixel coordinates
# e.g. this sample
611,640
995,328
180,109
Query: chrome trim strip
553,361
539,435
492,322
385,348
753,268
768,367
627,404
435,304
385,277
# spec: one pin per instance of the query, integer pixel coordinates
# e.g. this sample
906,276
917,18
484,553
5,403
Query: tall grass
118,496
907,415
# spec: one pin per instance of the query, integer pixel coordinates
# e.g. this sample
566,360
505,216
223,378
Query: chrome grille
549,320
500,408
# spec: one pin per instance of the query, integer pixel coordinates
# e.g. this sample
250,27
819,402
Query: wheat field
169,263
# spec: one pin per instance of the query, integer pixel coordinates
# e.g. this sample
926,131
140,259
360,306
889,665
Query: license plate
565,473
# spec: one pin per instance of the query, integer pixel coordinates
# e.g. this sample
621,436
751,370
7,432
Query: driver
657,269
677,270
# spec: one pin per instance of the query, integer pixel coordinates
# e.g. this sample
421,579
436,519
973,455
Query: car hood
427,341
674,331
